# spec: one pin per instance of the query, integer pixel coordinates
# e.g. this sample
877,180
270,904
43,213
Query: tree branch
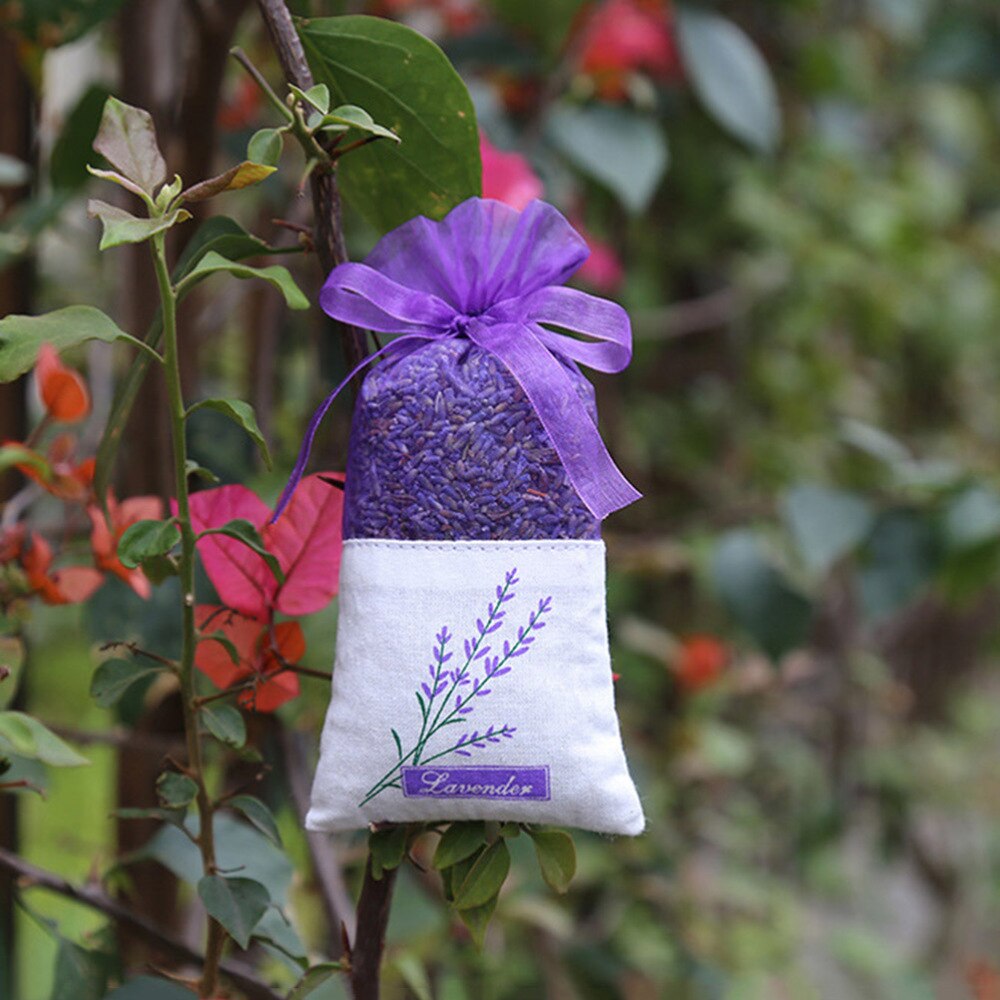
369,941
328,234
329,878
29,875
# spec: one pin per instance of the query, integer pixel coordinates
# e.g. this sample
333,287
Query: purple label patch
484,782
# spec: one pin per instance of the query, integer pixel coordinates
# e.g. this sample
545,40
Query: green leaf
160,568
237,903
80,973
901,558
122,227
192,468
223,640
484,878
226,237
758,595
347,116
458,842
622,149
258,814
22,336
278,276
265,147
114,677
242,175
317,96
972,518
11,662
243,531
226,724
174,790
556,857
151,988
387,848
826,523
68,162
406,83
477,919
27,737
240,413
146,539
127,140
316,977
730,77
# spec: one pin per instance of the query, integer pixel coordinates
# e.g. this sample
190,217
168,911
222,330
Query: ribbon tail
317,418
546,382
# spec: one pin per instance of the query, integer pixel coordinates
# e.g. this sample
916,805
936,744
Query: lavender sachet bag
472,676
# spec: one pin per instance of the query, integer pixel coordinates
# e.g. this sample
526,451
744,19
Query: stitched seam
556,545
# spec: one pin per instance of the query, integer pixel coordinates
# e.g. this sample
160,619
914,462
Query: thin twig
137,650
329,878
29,875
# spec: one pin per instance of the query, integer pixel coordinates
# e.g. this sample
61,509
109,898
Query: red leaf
272,692
240,576
212,658
307,539
64,393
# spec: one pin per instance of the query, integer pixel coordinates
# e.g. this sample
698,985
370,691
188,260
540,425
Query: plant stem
215,936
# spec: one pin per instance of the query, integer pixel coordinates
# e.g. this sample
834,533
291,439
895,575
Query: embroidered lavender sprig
436,714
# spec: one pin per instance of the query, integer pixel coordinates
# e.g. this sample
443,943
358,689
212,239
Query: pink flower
625,36
602,270
508,177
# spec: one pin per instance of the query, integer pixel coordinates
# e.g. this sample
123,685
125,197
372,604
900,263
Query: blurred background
798,201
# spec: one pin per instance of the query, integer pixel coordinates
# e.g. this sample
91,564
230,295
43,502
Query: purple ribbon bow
494,275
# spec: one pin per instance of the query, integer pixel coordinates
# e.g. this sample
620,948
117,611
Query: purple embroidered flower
438,710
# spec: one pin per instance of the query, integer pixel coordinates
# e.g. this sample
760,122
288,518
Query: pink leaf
307,540
240,576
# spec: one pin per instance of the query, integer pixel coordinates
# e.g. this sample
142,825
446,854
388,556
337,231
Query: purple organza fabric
488,277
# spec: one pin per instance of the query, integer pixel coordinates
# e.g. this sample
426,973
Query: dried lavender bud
445,445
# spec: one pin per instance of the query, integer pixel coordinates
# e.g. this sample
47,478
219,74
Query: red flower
241,109
508,177
700,662
64,393
104,538
70,585
627,36
57,472
263,652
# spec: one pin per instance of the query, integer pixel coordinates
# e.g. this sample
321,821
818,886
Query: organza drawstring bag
472,676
